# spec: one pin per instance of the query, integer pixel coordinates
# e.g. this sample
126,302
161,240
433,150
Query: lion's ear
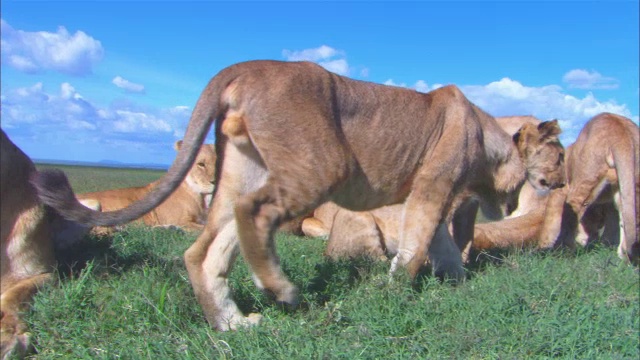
526,135
549,129
177,145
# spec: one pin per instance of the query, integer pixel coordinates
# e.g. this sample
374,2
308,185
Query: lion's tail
625,157
54,188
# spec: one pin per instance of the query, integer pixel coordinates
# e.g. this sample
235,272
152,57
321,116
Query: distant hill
103,163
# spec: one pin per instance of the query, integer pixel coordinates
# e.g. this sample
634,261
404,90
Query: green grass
89,178
129,297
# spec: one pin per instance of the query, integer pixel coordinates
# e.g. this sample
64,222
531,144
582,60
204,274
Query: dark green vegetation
129,297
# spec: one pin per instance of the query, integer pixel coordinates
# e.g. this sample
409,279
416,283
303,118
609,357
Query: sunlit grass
129,297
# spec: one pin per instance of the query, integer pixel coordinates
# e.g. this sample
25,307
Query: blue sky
117,80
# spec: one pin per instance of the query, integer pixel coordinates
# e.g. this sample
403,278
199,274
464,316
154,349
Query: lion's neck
193,194
509,169
509,176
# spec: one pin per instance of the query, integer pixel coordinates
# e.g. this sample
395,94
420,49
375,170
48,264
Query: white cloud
325,56
420,85
510,97
127,85
338,66
583,79
67,113
129,121
68,92
321,53
390,82
31,52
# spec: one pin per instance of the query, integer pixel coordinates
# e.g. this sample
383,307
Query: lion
185,208
376,233
292,135
29,234
601,197
602,168
525,230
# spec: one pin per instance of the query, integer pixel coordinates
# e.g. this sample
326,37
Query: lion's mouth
541,185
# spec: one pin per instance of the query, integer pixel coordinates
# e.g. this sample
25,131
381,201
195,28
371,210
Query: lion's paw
632,255
14,340
239,322
287,295
451,272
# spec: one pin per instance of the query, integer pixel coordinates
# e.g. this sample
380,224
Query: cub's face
543,155
202,174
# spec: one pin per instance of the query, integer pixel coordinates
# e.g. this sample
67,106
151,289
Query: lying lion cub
29,232
292,135
186,207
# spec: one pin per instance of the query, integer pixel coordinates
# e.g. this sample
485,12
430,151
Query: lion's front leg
558,219
445,257
209,261
463,227
423,220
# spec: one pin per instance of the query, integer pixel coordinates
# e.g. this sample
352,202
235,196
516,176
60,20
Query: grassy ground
129,297
87,179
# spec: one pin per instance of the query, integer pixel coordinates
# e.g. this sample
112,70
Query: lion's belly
361,192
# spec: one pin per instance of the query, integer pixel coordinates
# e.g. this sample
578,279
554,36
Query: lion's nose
559,185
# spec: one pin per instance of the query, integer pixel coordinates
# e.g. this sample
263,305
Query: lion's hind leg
258,215
285,195
210,259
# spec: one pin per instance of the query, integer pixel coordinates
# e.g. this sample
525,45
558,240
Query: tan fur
602,168
313,136
28,232
321,221
525,230
185,208
376,233
587,208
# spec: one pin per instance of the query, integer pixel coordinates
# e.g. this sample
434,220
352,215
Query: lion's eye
201,164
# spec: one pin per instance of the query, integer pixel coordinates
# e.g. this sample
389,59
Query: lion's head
543,154
201,175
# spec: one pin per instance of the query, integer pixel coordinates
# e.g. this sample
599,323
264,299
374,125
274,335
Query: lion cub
602,198
185,208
